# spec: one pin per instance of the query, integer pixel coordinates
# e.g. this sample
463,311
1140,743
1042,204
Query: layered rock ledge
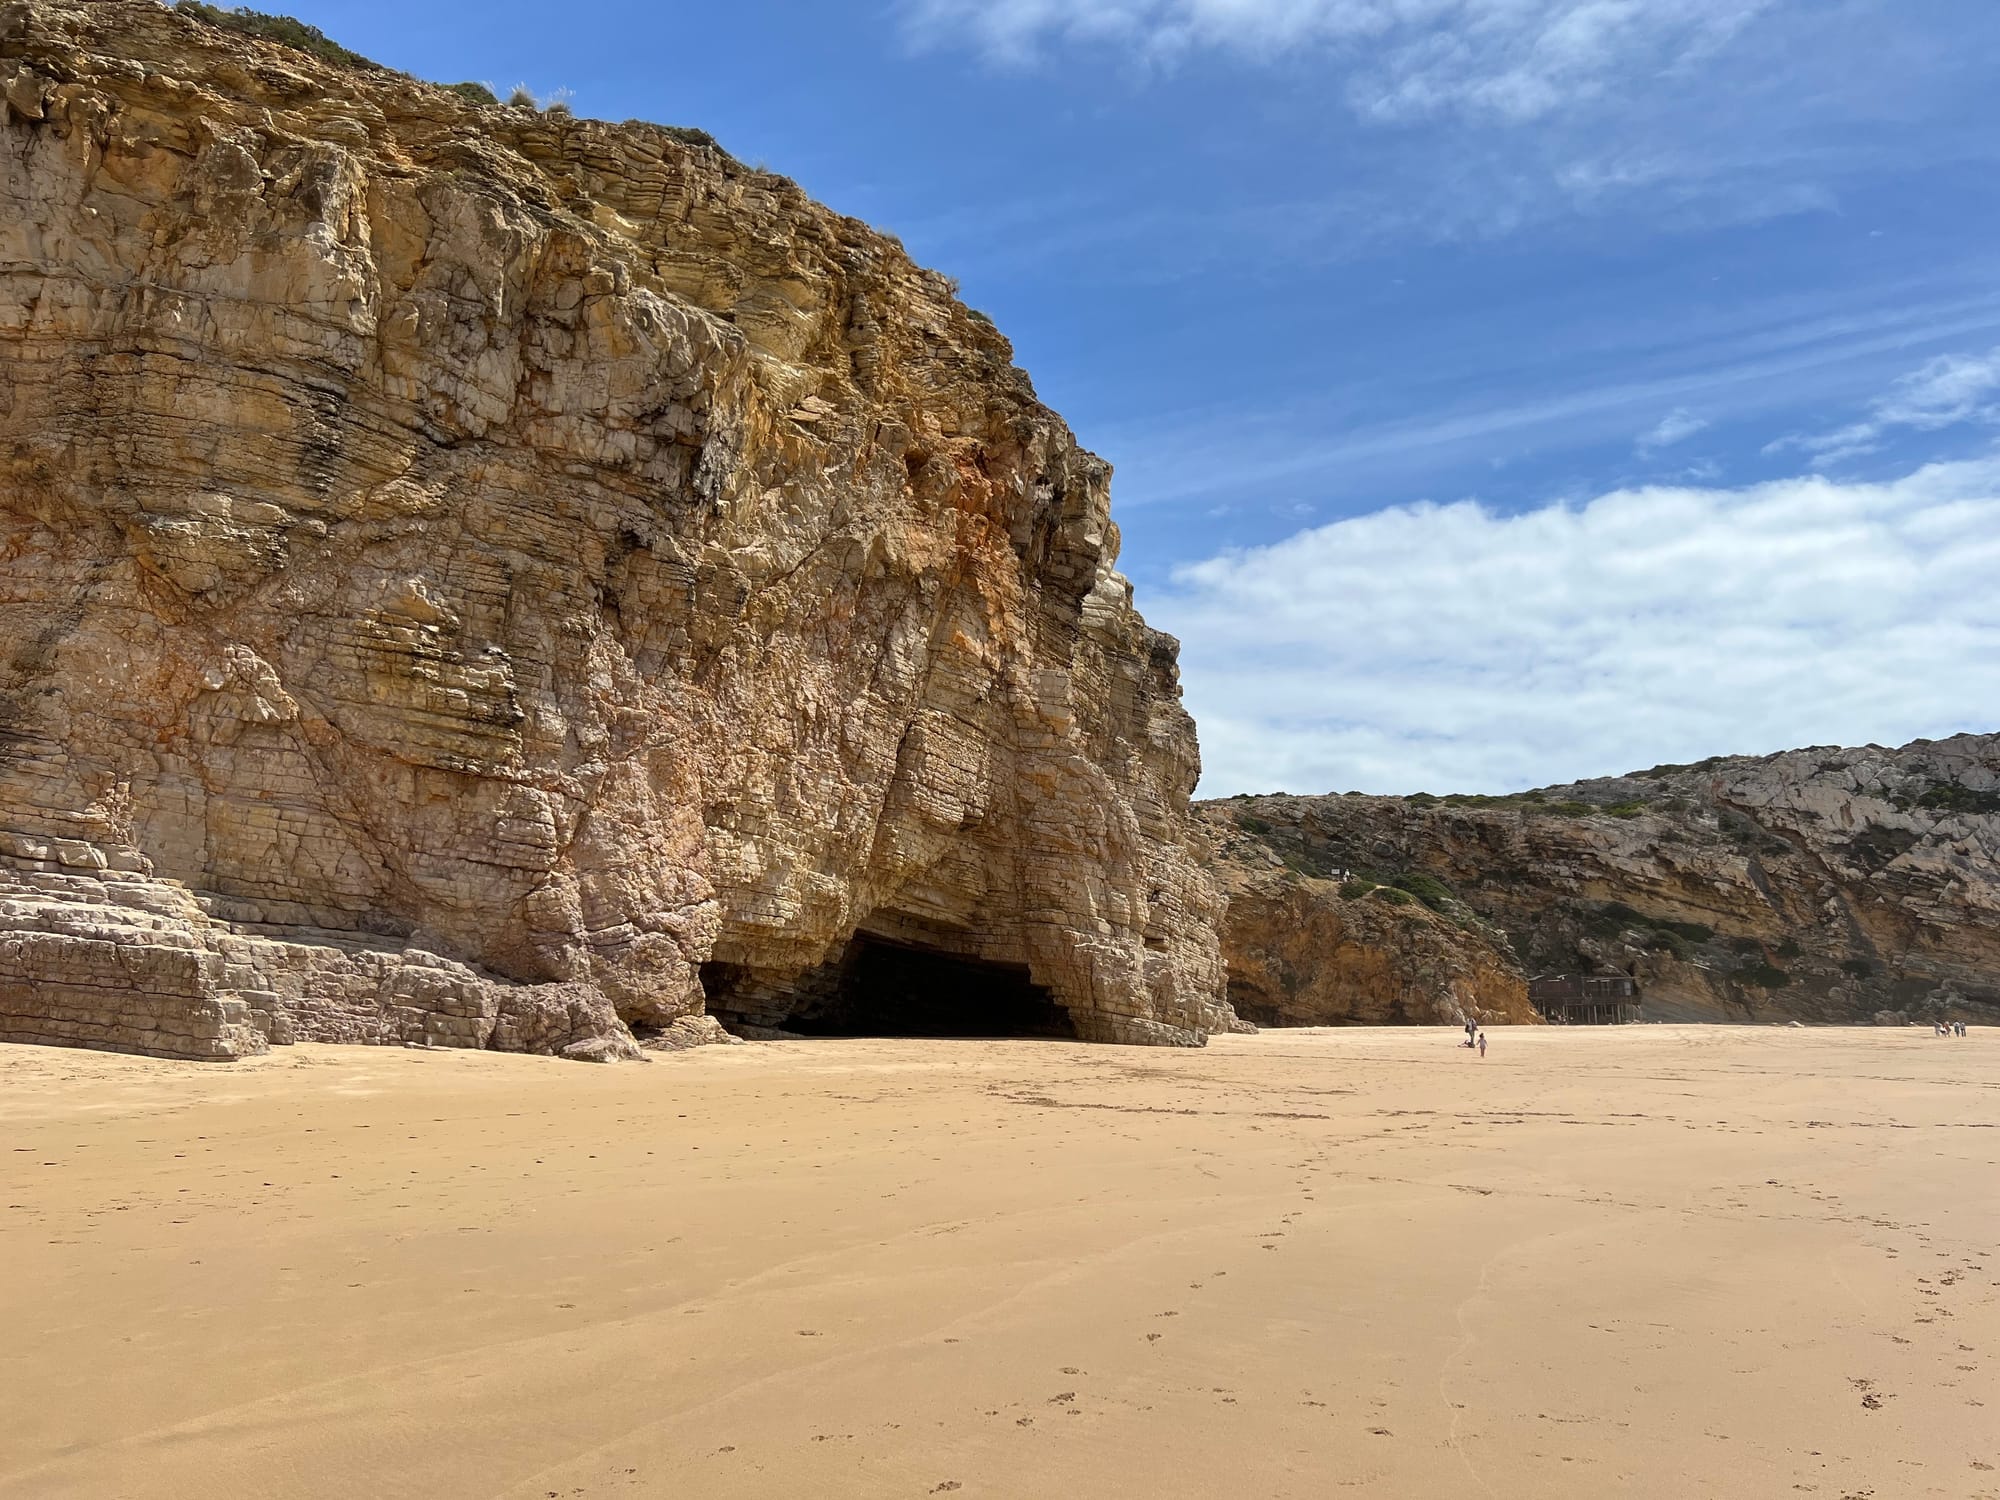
482,577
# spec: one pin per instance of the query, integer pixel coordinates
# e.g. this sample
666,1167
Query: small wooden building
1585,999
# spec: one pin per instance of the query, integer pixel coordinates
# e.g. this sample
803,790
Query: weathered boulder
472,575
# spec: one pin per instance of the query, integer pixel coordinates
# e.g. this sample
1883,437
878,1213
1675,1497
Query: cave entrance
882,987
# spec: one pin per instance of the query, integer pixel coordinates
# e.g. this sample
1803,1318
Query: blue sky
1674,323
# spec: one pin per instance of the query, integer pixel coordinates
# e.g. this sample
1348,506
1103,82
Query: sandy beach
1643,1261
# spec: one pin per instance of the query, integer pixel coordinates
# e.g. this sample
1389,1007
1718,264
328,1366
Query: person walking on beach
1482,1046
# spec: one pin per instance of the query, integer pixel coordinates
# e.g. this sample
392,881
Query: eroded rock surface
1818,885
468,569
1308,943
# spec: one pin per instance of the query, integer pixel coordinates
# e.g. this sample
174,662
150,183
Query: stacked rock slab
466,569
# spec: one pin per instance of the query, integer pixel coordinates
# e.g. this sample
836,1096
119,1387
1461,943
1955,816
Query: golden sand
1648,1261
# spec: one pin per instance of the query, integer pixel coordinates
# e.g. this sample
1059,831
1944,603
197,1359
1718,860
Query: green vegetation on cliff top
289,31
286,30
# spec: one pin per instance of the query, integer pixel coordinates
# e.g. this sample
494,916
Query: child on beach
1482,1046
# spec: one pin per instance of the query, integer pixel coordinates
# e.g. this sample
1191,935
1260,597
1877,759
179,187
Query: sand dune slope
1653,1261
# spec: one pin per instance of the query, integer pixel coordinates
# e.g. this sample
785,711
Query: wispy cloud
1195,454
1943,392
1510,60
1683,115
1447,647
1676,426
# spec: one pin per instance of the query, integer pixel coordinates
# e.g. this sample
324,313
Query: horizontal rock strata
469,572
1824,885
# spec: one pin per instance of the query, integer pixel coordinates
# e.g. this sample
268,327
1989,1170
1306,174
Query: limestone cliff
1817,885
1308,943
481,576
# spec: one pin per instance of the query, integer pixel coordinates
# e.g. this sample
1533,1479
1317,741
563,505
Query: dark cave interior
881,987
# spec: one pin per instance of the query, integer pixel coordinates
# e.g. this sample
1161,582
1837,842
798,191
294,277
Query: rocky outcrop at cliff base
483,577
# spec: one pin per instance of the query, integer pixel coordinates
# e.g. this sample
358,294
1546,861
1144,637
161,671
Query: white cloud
1951,388
1676,426
1942,392
1447,648
1408,59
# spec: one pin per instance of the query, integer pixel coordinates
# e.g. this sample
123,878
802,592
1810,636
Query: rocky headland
1832,885
476,576
479,576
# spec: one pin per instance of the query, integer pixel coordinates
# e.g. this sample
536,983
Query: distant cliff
1307,946
1817,885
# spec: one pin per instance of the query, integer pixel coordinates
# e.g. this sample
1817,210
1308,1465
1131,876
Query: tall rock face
1817,885
479,576
1310,943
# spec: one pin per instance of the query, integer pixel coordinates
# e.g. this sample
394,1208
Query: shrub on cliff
286,30
1673,768
1764,976
1483,799
473,93
1428,889
1748,833
1666,942
689,135
1614,919
1949,796
1693,932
